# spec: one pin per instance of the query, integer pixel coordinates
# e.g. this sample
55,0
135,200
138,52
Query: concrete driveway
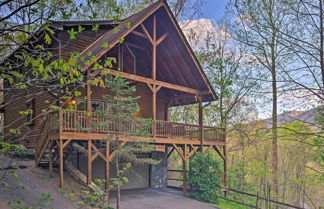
158,199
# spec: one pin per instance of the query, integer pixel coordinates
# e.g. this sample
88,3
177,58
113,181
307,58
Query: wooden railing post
61,121
257,201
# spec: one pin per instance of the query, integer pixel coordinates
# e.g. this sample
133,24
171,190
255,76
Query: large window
96,105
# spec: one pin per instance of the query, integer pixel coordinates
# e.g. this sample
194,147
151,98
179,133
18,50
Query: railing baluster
76,121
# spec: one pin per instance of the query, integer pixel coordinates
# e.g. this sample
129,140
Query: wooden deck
74,125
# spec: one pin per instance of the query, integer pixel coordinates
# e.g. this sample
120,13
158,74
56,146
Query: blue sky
214,9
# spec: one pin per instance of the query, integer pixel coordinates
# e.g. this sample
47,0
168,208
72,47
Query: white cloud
198,31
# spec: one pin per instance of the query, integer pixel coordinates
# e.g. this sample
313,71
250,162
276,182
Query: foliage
225,204
204,177
9,147
120,111
91,199
318,141
42,202
238,179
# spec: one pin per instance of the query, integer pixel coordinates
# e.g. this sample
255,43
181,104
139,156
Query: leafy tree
257,28
307,46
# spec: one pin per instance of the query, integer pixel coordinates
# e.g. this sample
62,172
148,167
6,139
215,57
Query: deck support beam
89,170
107,175
184,170
185,156
219,152
225,170
154,75
61,163
200,123
171,151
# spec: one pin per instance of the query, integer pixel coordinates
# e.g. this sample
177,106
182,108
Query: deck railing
81,121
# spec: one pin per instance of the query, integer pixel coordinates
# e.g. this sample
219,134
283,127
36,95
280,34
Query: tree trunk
274,133
274,115
321,42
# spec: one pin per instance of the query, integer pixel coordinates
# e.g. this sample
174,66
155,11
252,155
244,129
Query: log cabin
159,61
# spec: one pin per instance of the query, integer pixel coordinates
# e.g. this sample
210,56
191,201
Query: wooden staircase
43,143
44,160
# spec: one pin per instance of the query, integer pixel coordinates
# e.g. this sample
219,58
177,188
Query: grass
224,204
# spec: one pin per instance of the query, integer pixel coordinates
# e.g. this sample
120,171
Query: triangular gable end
143,16
190,51
113,38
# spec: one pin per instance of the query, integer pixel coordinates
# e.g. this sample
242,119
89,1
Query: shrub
204,177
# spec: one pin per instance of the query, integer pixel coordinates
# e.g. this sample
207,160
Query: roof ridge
108,20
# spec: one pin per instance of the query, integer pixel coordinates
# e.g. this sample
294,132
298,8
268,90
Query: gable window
30,106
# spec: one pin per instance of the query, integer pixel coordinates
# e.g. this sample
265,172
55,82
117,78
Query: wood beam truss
157,82
92,153
186,154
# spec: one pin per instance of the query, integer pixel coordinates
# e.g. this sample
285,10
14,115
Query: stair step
45,164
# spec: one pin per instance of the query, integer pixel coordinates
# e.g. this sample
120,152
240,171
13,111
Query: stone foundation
159,172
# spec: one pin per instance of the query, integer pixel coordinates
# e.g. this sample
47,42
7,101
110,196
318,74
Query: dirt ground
38,182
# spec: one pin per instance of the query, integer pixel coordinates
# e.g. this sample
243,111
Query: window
30,105
96,105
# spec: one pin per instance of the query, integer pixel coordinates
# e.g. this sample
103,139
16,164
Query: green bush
204,177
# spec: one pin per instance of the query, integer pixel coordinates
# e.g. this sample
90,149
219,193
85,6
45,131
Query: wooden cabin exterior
159,62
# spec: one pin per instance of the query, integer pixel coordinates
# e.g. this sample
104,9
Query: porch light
71,102
137,113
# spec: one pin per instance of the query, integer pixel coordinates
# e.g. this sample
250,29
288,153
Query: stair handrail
42,139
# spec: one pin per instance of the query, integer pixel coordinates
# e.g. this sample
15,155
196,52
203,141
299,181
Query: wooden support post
225,170
154,110
154,89
154,50
200,124
89,174
107,176
61,162
50,162
184,170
